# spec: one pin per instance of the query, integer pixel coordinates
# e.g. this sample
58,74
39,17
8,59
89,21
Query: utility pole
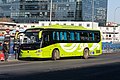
50,12
92,13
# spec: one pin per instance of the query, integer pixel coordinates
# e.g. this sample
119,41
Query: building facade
33,11
110,33
78,16
95,10
5,8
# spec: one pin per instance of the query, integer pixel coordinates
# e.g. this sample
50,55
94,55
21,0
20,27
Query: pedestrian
15,48
6,50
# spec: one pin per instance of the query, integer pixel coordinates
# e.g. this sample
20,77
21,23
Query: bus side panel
76,49
66,50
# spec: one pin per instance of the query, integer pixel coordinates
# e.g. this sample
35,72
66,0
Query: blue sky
112,5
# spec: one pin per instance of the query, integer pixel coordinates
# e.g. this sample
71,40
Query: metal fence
110,47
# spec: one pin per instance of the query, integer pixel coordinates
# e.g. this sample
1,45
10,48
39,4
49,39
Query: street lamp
50,12
92,12
114,23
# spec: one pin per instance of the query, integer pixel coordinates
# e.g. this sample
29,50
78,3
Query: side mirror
40,34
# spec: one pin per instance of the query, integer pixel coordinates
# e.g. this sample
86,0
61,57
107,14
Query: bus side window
77,36
46,37
97,36
57,35
61,36
86,36
68,35
65,35
82,36
90,36
54,36
71,35
93,38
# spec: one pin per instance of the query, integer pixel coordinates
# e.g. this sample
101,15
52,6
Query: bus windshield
31,37
30,41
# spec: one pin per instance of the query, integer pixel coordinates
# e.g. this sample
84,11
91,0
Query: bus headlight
38,51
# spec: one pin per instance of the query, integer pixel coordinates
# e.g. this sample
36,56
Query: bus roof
68,27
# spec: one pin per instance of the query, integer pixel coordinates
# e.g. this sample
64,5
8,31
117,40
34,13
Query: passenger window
81,36
46,38
54,36
71,35
90,36
68,35
61,36
77,36
93,37
57,35
65,36
84,36
97,36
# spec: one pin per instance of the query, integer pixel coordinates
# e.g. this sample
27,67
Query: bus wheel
86,54
55,54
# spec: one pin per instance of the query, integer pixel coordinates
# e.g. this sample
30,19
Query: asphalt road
104,67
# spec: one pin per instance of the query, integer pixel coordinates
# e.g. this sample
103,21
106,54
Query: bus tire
86,53
55,54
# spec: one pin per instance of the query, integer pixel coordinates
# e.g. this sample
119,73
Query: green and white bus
57,41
